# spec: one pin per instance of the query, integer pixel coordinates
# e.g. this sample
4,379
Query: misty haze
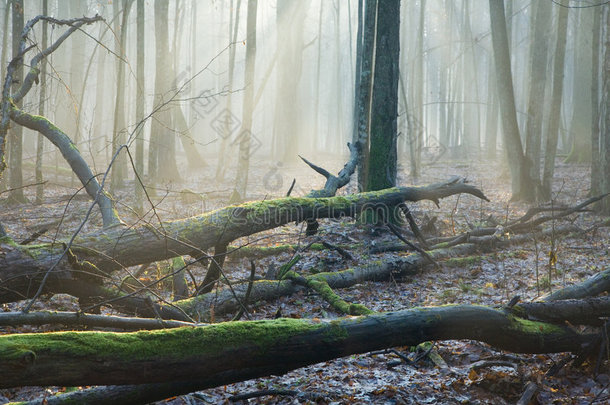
399,201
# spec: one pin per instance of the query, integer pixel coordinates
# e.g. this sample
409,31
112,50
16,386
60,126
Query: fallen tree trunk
116,247
229,300
235,351
112,248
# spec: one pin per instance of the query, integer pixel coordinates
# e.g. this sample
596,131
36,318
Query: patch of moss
169,343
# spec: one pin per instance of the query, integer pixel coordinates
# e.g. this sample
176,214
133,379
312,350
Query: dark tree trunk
236,351
384,108
362,117
522,185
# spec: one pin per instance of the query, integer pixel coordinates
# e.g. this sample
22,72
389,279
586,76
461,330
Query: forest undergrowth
459,371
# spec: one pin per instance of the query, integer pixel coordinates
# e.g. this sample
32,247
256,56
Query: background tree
286,127
41,107
243,165
140,104
16,133
552,133
604,114
119,132
522,185
364,86
537,86
162,149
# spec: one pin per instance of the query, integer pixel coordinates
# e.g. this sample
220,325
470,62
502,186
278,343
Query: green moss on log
180,343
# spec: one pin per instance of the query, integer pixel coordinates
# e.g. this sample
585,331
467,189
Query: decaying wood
234,351
117,247
88,320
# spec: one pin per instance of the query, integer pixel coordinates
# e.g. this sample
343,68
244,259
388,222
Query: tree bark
41,108
245,136
230,352
552,134
115,247
522,186
538,69
384,108
362,119
16,134
604,115
119,135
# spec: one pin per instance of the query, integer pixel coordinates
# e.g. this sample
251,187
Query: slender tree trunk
193,157
595,93
556,95
339,133
140,102
5,35
243,166
290,22
318,69
99,112
537,85
76,9
491,121
222,155
416,119
384,108
522,185
41,109
365,91
119,129
16,133
580,124
162,149
604,110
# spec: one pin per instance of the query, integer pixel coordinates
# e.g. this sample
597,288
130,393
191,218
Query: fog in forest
201,97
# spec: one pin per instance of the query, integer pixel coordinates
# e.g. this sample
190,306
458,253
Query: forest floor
488,279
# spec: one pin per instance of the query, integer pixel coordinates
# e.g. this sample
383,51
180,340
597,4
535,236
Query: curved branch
32,76
70,152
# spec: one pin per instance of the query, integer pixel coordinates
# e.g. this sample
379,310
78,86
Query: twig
344,253
243,307
407,213
530,390
262,393
396,232
294,181
82,319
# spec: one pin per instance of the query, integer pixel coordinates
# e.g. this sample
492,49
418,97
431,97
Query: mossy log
112,248
228,300
235,351
117,247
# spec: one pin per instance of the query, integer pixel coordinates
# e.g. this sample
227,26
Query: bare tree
522,185
552,134
16,133
384,105
243,166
